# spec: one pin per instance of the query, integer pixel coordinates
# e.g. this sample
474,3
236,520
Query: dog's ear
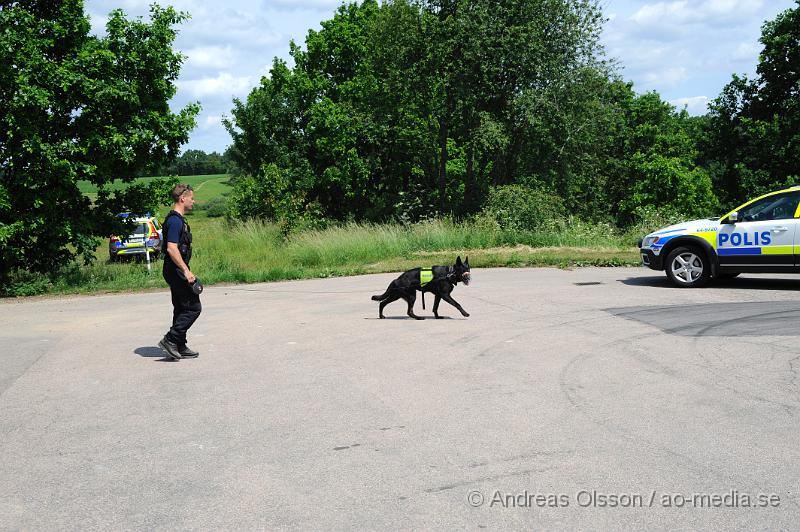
466,262
458,261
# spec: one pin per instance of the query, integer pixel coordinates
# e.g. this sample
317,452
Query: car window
777,207
140,230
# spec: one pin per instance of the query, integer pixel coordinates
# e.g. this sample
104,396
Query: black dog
440,280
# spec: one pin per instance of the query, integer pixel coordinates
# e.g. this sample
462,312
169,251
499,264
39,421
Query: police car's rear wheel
688,267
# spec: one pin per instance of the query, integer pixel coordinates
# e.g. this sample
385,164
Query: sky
686,50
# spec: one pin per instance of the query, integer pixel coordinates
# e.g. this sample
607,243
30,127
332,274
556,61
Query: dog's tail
382,296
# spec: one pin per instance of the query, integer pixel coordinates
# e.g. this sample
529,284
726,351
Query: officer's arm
175,254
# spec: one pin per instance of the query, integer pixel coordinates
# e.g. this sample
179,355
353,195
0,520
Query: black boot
171,348
187,352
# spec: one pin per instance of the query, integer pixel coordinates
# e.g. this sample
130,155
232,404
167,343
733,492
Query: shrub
415,205
269,195
23,283
216,207
521,208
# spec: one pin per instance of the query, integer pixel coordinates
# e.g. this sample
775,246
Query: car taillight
114,239
154,236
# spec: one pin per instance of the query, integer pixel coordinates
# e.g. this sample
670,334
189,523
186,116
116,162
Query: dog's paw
465,314
382,317
439,317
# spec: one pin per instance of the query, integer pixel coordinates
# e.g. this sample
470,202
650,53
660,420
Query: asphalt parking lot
587,398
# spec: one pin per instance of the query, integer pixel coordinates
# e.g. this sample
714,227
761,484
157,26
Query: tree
195,162
267,194
653,160
427,98
78,107
752,137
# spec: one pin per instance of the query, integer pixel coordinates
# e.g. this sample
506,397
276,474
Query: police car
146,237
759,236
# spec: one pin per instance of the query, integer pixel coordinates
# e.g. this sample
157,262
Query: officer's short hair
179,190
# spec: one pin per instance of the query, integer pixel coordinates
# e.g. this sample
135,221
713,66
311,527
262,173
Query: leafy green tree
654,161
752,140
196,162
269,126
575,136
332,122
78,107
505,66
267,194
424,98
670,184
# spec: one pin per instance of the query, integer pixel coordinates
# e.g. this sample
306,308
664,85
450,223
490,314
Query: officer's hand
190,277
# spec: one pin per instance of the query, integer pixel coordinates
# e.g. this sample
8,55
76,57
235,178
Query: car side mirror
733,218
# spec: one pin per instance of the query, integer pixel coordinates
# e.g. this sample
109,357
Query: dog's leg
449,299
392,297
436,306
410,297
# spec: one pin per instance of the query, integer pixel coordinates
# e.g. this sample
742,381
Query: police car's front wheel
688,267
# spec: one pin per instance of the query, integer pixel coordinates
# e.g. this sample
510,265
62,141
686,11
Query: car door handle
779,229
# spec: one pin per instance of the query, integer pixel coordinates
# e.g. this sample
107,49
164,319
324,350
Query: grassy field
255,252
246,252
206,186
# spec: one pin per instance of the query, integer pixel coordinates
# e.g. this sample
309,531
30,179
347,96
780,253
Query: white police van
759,236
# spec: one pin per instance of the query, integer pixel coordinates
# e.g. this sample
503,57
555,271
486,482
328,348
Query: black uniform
185,303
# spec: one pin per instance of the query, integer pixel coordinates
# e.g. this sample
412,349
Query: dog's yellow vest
425,276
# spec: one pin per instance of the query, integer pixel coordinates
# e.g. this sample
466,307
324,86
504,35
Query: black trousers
186,306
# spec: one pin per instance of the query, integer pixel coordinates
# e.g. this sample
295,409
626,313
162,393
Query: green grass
247,252
206,187
256,252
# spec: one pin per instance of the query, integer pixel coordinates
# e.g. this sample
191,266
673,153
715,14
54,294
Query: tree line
194,162
408,109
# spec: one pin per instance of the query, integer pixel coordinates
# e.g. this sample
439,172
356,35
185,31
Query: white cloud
239,28
666,77
737,8
747,52
211,122
304,4
705,11
98,23
680,47
676,47
663,12
224,84
209,56
130,6
696,105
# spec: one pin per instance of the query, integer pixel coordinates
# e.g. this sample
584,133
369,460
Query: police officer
185,300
